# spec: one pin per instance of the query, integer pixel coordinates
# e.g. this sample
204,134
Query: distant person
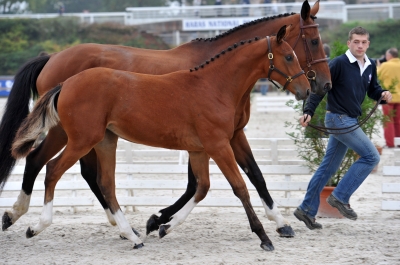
196,3
389,73
263,86
61,9
219,10
245,9
327,50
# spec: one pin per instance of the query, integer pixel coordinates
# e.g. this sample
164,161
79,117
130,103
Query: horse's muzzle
302,96
327,87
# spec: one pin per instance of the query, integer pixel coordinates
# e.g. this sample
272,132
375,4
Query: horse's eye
289,58
314,42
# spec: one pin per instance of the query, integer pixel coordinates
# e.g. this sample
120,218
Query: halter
311,74
272,68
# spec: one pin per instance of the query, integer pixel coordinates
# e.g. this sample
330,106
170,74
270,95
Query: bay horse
186,110
45,72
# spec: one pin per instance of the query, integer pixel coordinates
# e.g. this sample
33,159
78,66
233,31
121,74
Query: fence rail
143,15
391,190
130,179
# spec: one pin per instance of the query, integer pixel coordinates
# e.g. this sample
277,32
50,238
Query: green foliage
22,39
383,35
337,49
311,144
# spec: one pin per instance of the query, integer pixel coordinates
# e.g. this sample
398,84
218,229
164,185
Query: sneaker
344,209
310,222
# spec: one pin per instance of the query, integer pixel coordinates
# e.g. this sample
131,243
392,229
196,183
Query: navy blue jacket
348,88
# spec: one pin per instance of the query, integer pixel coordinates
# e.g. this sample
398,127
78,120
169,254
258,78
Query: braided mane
230,48
247,24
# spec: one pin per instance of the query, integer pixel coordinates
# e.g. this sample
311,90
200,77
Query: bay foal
187,110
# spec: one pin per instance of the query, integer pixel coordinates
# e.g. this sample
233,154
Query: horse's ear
305,10
315,8
288,29
281,34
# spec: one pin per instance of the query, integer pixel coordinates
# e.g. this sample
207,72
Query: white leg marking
20,207
45,219
110,217
125,228
275,215
181,215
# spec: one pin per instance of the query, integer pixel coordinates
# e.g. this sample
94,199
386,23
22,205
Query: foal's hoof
134,231
137,246
6,221
285,231
267,246
163,230
152,224
29,233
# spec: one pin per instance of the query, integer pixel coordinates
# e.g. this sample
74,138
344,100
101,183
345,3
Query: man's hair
358,31
394,52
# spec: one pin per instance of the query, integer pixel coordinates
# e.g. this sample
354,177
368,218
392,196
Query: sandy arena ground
215,235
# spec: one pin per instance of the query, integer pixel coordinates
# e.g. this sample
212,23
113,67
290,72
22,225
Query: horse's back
78,58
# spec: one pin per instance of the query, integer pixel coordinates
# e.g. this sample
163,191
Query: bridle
349,128
272,68
311,74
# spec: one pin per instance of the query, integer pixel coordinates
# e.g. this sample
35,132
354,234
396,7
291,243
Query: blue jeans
335,152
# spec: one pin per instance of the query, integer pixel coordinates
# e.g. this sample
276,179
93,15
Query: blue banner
5,87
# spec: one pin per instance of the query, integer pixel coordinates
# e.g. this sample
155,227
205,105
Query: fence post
128,152
74,210
287,193
130,193
274,151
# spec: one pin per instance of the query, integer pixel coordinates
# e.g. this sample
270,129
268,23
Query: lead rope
350,128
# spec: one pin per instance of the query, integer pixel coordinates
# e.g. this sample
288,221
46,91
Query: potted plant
311,144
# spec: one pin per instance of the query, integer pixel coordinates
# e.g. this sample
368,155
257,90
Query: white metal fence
142,15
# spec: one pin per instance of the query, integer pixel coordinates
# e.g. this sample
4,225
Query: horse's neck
236,70
207,47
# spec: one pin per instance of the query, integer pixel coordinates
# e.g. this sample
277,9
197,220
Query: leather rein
349,128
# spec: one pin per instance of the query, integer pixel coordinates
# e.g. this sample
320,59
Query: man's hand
387,96
304,120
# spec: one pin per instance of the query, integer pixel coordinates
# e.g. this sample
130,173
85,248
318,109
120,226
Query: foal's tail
16,110
43,117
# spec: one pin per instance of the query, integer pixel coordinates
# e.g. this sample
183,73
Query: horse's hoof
137,246
163,230
6,221
134,231
285,231
151,224
267,246
29,233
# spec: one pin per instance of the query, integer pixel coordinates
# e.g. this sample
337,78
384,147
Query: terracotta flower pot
325,210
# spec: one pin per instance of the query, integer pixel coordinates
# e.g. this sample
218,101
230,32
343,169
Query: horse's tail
16,109
43,117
